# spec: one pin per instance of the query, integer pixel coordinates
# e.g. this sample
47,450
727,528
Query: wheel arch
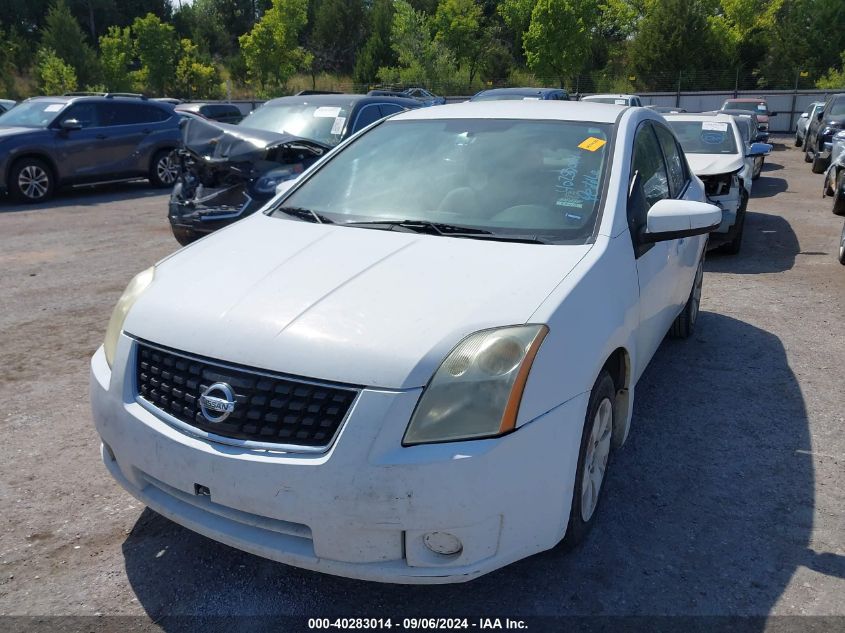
618,365
42,156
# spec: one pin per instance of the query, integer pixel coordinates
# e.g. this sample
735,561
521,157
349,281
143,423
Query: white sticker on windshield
326,112
530,98
54,107
619,101
715,126
337,128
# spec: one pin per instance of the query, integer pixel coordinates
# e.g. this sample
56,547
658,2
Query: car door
657,264
80,152
123,131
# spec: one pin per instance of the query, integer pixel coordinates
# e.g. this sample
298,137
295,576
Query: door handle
101,137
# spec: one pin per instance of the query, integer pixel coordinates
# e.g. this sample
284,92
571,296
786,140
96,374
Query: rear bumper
363,508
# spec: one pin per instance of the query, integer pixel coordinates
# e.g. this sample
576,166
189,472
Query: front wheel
758,167
684,324
164,169
839,193
31,180
842,246
798,141
593,458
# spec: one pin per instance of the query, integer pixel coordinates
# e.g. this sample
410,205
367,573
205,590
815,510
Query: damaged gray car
230,171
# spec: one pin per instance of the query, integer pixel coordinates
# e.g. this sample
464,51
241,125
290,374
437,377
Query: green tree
195,79
157,51
516,15
271,49
421,58
558,39
115,58
65,38
55,77
674,41
337,28
377,51
458,25
834,79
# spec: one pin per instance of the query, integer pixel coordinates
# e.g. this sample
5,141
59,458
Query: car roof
615,96
539,110
516,91
343,100
747,100
111,99
701,116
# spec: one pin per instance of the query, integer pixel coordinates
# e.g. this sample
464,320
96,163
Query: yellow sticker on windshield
592,143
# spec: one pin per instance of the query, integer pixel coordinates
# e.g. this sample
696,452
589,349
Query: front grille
267,408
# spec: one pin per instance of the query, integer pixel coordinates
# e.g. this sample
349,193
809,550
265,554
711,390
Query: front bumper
361,509
730,205
208,217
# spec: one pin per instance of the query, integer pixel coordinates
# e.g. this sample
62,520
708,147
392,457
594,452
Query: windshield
748,106
534,179
32,114
319,123
838,107
705,137
613,100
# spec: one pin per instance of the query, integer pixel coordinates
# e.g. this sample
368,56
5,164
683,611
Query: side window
674,161
390,108
368,114
648,163
86,113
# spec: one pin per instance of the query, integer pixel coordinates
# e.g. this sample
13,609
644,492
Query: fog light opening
443,543
109,452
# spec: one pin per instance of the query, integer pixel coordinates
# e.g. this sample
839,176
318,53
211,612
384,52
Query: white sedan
718,154
415,364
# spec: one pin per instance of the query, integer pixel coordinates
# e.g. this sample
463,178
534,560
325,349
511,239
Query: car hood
837,120
358,306
712,164
6,132
216,142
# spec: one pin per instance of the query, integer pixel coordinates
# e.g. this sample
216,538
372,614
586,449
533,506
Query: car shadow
770,167
768,186
707,510
769,245
87,195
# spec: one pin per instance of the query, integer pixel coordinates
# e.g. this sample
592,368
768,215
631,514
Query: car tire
842,246
808,156
684,324
164,169
798,141
185,236
31,180
758,168
593,460
838,194
819,164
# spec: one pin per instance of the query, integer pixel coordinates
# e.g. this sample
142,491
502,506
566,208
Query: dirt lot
728,498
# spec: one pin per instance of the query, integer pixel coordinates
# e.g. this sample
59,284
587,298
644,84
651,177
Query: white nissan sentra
415,364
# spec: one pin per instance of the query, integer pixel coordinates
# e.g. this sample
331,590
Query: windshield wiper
448,230
421,226
305,214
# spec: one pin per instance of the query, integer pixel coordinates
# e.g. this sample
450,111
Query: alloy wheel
33,182
167,169
595,460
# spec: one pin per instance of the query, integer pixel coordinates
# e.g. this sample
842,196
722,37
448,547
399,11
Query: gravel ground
727,499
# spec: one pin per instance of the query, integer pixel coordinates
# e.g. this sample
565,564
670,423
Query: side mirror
804,115
674,219
759,149
69,125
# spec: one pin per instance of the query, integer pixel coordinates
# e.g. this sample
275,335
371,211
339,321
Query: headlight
476,391
268,182
138,284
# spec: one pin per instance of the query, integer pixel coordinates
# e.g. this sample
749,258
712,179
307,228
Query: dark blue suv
49,142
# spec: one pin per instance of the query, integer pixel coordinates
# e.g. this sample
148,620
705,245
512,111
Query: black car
48,142
223,112
231,171
522,94
818,140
